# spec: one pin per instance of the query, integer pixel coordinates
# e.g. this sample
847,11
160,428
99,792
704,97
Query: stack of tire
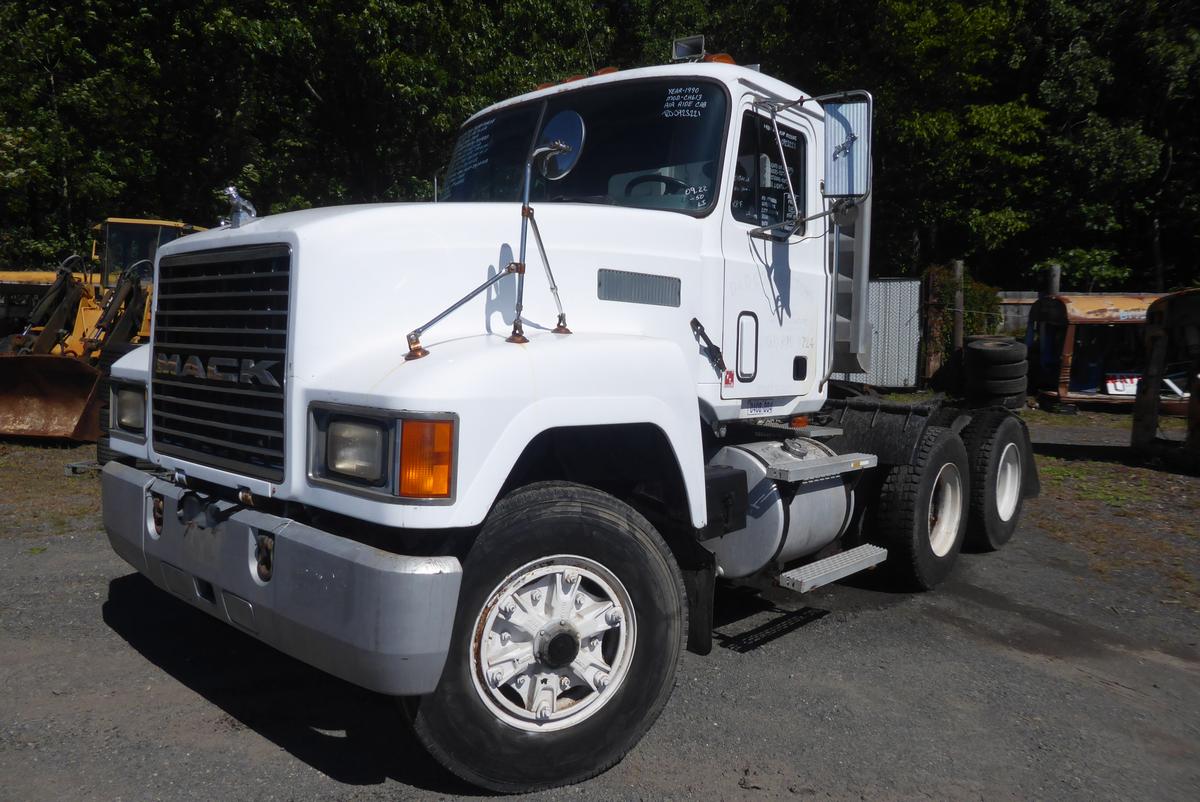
997,372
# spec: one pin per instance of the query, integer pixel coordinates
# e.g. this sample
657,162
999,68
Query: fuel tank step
801,461
831,569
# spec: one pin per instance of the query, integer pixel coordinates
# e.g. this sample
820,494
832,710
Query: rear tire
922,512
525,703
997,447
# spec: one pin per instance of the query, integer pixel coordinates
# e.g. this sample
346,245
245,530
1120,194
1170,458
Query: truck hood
364,276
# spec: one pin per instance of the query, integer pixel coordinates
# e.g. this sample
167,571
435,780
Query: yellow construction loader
90,312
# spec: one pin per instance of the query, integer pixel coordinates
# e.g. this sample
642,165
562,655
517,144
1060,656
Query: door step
831,569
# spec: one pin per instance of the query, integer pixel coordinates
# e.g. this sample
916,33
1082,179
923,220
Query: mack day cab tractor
509,506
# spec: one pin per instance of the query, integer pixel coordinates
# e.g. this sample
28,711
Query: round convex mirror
564,128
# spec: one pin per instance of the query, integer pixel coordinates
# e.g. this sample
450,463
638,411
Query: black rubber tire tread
531,522
902,514
109,355
995,352
985,438
1010,370
1005,387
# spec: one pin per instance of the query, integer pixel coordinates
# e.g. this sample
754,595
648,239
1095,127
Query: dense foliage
981,308
1010,133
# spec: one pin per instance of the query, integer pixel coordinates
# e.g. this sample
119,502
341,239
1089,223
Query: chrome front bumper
373,618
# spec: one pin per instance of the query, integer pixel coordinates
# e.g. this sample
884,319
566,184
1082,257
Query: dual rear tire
921,515
998,448
958,491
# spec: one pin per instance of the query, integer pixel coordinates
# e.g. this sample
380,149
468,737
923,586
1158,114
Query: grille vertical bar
220,358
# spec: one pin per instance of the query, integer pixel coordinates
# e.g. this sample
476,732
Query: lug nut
578,602
520,681
613,617
536,597
571,577
601,681
543,712
505,638
496,678
565,682
507,607
595,643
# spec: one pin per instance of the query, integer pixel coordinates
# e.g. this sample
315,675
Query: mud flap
49,396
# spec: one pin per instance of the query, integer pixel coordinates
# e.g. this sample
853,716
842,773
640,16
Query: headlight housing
399,455
128,403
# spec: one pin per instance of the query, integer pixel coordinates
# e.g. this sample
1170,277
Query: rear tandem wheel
921,514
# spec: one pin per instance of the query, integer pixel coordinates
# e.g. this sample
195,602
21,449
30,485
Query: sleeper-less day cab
490,454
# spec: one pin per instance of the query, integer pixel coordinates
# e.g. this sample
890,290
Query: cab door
775,285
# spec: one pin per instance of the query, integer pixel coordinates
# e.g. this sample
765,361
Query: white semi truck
490,455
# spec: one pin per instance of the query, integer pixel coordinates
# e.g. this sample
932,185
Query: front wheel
570,624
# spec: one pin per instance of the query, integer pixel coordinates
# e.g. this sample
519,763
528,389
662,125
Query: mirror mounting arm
415,350
518,332
837,207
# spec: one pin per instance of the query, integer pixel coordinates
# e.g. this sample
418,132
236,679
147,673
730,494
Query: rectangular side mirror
848,144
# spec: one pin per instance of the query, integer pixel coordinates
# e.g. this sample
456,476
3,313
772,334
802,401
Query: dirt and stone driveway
1064,667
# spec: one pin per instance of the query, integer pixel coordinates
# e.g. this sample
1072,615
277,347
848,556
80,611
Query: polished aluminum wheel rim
553,643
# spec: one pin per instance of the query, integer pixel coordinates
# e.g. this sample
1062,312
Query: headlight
130,404
357,449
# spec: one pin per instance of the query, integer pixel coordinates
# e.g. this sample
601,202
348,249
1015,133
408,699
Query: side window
760,188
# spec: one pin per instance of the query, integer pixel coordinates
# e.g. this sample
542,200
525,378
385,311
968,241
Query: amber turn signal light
426,457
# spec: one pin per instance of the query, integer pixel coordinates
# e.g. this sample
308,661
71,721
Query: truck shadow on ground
350,734
732,605
1113,455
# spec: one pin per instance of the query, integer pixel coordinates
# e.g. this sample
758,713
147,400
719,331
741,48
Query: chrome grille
220,340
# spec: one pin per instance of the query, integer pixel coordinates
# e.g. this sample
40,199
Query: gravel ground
1064,667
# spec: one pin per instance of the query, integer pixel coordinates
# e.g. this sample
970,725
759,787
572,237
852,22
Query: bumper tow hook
264,551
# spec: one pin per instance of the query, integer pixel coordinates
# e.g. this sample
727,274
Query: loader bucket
49,396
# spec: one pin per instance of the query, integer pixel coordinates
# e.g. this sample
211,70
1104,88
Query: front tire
570,624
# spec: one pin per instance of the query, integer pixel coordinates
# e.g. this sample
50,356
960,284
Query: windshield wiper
605,199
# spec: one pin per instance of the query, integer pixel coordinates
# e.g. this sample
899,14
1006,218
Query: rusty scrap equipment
1172,375
51,371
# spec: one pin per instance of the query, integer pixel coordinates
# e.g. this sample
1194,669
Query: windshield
653,144
129,243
